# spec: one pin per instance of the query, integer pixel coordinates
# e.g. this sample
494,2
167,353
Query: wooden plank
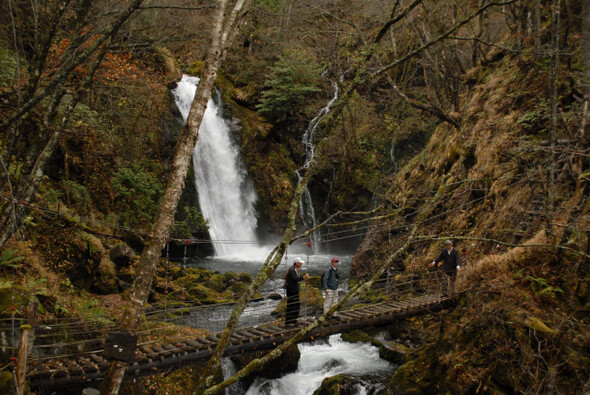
266,330
248,335
347,314
259,333
239,337
275,328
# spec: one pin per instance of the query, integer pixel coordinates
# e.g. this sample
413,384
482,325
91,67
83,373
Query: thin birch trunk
222,32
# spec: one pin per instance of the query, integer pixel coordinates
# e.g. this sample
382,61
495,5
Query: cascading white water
229,369
319,361
306,209
226,196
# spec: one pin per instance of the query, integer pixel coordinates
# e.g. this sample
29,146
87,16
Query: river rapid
319,359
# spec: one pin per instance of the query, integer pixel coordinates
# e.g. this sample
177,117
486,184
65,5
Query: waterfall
229,369
226,195
306,209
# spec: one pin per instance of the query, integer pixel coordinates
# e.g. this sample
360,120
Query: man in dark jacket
292,286
451,264
330,282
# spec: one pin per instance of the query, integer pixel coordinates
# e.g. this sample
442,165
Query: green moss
405,380
357,336
196,68
336,385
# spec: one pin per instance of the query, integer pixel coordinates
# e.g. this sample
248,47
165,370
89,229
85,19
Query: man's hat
298,260
335,260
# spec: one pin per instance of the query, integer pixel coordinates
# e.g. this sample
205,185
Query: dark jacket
331,277
293,279
451,261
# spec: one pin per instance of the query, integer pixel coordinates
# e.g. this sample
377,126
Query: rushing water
322,359
227,196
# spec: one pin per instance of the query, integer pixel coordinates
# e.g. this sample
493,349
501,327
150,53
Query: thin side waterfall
226,195
306,209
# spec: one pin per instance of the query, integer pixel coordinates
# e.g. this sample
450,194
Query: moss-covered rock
218,282
405,380
338,385
106,279
357,336
6,382
394,352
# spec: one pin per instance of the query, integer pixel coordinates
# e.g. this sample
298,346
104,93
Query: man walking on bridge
451,264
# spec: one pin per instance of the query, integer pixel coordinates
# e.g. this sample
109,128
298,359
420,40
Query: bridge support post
23,347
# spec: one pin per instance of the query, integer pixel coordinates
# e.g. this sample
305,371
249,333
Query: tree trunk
220,37
550,198
586,47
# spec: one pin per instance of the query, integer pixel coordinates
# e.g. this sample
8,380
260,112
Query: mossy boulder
394,352
106,279
245,278
405,380
357,336
218,282
6,382
286,363
121,254
338,385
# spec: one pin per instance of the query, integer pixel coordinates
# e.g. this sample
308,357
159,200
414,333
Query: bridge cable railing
153,332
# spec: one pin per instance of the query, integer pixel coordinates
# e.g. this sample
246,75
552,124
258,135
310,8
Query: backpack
323,275
285,280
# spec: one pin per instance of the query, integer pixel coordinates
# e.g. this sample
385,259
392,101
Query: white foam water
320,360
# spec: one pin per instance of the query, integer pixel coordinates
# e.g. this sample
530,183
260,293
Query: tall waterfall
226,195
306,209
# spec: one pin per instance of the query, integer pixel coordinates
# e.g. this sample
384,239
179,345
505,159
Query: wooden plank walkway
153,359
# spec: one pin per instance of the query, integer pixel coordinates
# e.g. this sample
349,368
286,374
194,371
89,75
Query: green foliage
77,194
10,258
194,220
271,5
7,65
542,288
293,78
138,195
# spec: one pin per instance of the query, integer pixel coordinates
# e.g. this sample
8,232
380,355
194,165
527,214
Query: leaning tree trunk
223,29
586,47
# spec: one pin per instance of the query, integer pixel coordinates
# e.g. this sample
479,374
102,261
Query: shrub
293,78
138,195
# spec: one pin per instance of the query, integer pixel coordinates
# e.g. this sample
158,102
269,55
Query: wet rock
286,363
121,254
333,364
275,296
346,385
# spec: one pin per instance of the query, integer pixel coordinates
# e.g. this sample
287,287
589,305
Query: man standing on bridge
292,286
451,264
330,280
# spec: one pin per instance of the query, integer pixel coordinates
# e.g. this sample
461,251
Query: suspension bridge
73,353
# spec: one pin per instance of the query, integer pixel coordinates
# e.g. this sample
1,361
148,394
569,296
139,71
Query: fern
10,258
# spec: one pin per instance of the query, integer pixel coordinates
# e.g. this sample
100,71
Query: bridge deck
151,359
